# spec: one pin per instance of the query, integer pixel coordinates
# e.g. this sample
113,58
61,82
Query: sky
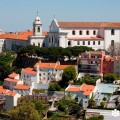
18,15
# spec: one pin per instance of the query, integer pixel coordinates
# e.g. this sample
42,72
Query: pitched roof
20,86
46,65
89,24
13,75
73,88
11,80
29,71
23,35
7,92
87,89
61,67
85,38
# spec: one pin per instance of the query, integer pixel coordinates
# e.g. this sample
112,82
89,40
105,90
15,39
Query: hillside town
70,72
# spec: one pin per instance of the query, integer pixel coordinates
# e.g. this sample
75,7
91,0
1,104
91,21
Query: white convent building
98,35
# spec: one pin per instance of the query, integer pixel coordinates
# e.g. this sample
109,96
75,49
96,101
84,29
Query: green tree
62,106
100,117
68,74
109,77
91,101
54,87
102,104
26,111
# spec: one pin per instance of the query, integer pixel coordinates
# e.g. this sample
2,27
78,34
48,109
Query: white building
83,93
50,71
98,35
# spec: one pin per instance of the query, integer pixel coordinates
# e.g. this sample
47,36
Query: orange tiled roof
20,86
13,75
7,92
109,58
89,24
10,93
87,89
61,67
19,36
29,71
73,88
11,80
85,38
46,65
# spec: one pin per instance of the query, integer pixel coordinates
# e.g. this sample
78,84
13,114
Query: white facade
97,35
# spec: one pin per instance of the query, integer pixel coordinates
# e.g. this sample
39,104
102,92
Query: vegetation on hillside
54,53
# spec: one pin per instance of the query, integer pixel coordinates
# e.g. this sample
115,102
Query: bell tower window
38,29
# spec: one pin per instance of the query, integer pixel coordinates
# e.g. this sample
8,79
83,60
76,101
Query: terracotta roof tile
61,67
46,65
87,89
20,35
11,80
89,24
13,75
20,86
29,71
7,92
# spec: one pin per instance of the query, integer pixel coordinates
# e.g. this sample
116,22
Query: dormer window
38,29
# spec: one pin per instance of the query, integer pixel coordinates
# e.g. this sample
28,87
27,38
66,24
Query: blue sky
17,15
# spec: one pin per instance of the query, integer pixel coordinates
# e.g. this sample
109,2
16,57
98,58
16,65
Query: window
80,32
112,42
94,32
38,29
87,32
52,39
73,32
93,42
43,44
34,44
83,42
69,43
88,42
78,42
98,42
38,44
112,32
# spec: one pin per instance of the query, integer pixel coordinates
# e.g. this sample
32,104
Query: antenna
37,13
54,16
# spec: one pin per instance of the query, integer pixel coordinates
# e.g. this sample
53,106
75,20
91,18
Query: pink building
108,65
91,63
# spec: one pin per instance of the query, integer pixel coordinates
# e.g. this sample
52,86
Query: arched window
112,32
38,29
80,32
69,43
73,32
87,32
94,32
